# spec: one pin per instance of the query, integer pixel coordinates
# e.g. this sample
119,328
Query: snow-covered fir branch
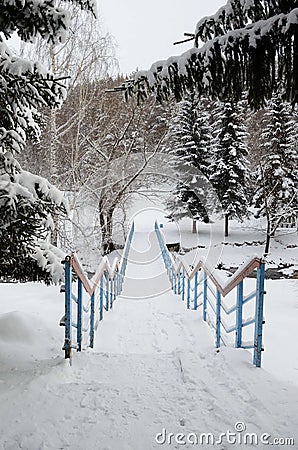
243,54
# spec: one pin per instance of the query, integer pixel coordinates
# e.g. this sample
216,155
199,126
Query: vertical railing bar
111,293
188,293
196,291
259,315
107,291
121,283
79,315
175,281
218,306
68,312
205,289
179,282
92,321
101,298
116,283
239,314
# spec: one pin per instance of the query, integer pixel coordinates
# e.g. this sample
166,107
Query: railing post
101,298
169,265
68,304
107,291
183,284
163,253
92,321
196,292
259,315
175,282
218,306
205,296
111,293
239,319
179,282
123,267
120,283
116,283
79,314
188,293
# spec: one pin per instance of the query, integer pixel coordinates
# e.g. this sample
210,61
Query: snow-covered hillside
154,370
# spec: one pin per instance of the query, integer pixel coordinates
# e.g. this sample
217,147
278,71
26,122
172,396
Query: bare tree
117,148
85,56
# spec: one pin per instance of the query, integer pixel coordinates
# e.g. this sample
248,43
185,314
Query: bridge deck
153,366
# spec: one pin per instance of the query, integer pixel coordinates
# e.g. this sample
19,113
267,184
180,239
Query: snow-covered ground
243,240
154,368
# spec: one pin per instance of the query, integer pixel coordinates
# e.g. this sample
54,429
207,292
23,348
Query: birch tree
87,55
28,202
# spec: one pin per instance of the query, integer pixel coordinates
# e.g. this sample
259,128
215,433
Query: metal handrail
102,290
178,271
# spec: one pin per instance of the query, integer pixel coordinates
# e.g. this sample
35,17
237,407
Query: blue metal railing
84,308
200,287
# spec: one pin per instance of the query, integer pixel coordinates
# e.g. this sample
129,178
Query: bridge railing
86,300
201,287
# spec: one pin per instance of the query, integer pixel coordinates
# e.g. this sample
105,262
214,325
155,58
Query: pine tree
27,205
189,141
247,46
28,202
229,169
277,174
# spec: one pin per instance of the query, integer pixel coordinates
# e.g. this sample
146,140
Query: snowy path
154,366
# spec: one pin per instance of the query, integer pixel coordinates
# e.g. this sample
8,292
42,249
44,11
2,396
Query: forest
75,153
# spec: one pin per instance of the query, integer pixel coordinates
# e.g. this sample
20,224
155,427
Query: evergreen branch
242,59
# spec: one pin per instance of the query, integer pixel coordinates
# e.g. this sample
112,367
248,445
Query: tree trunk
54,233
194,226
268,238
53,171
226,225
53,150
267,246
106,228
107,245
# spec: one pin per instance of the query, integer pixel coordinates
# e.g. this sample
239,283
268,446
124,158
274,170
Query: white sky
145,30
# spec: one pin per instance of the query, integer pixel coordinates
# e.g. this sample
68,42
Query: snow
244,240
289,271
33,183
18,185
15,327
221,31
27,86
154,367
49,258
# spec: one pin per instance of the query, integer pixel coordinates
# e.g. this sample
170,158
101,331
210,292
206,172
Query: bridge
152,360
147,274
